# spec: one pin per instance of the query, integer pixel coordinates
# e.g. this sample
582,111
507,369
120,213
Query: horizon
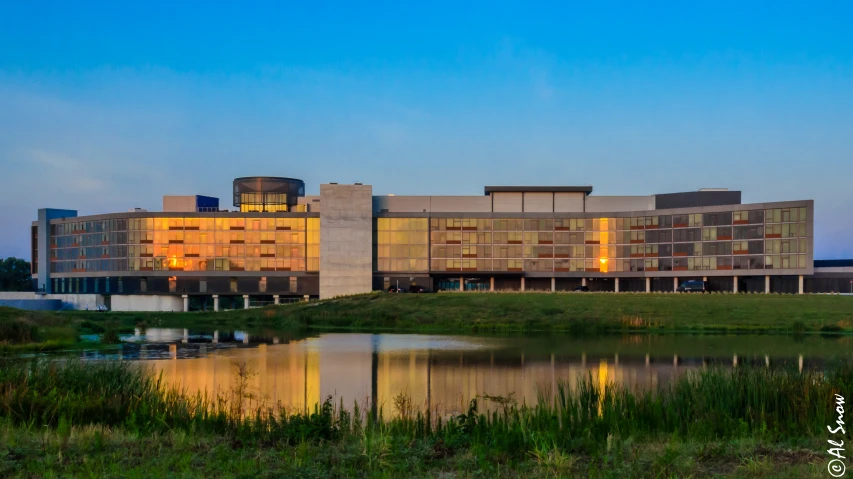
107,107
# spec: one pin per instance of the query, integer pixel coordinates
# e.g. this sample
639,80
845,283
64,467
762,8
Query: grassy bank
577,313
112,419
463,312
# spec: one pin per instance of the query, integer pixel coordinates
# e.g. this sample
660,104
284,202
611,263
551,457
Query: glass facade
733,240
186,244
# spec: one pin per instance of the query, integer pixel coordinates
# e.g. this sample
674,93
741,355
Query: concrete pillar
616,284
767,360
648,360
705,278
583,281
245,301
186,337
675,284
800,361
276,299
734,279
675,360
648,285
186,303
767,285
492,283
554,284
246,338
801,284
275,340
734,361
216,302
306,298
461,284
216,336
522,283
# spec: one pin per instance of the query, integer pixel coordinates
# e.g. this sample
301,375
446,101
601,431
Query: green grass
531,312
112,419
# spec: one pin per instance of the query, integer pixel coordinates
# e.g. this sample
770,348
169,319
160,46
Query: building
280,244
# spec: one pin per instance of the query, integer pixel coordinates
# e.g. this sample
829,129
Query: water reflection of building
360,367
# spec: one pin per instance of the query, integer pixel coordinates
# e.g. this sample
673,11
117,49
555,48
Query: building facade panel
346,253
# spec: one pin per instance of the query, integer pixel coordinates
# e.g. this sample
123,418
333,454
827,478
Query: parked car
394,289
692,287
582,289
418,289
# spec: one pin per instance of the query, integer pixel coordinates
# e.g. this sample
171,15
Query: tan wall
460,204
179,204
146,303
346,240
506,202
569,202
538,202
313,203
401,204
604,204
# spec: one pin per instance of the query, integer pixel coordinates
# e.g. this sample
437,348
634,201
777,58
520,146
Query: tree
15,275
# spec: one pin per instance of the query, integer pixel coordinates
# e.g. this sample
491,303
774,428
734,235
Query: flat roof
538,189
833,263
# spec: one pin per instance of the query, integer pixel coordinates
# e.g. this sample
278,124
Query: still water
444,372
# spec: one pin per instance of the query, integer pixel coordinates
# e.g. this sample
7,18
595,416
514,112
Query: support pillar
215,336
306,298
704,279
245,301
675,360
186,303
616,284
583,281
554,284
246,338
800,362
461,283
767,360
492,283
648,360
734,361
767,285
801,284
186,337
648,285
522,283
276,299
675,284
216,302
734,278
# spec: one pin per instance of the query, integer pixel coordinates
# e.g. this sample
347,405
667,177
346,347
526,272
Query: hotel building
278,244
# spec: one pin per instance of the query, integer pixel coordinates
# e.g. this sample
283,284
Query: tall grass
705,405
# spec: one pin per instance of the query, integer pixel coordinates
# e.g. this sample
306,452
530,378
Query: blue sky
106,106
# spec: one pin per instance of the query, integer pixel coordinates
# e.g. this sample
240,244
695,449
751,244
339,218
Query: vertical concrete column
492,283
704,278
216,302
522,283
583,281
461,283
767,285
186,303
801,284
306,298
675,284
246,338
554,284
734,289
215,336
186,337
734,361
648,285
616,284
245,301
276,299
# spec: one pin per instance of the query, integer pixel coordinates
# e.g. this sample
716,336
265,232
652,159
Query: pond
444,372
